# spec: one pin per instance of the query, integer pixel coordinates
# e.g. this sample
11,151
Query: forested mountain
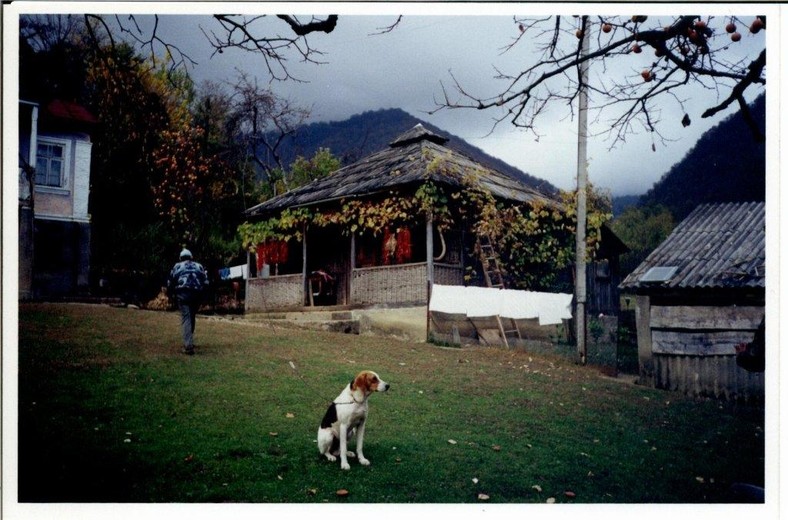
369,132
726,165
622,202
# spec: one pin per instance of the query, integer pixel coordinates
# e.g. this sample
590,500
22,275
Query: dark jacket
187,280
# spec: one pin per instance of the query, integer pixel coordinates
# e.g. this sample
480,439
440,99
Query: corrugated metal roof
716,246
414,157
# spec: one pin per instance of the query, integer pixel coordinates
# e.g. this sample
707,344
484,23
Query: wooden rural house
379,232
54,186
699,294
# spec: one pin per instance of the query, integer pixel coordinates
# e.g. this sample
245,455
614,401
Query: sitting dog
347,416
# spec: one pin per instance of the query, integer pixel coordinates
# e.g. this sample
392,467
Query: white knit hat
186,253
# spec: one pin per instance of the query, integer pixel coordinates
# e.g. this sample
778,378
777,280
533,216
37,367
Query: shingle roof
410,159
70,111
716,246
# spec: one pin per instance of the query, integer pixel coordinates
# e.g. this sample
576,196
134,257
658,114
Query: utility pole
582,183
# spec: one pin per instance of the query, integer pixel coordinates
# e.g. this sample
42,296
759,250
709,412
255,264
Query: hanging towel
239,271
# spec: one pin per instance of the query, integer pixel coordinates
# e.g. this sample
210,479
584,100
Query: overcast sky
404,69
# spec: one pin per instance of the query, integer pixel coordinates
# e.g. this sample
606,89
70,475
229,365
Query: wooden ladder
493,275
490,263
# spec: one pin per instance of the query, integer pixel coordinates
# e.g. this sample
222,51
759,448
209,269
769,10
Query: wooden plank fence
693,349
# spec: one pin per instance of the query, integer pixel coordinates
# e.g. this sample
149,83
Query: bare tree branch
152,41
388,28
753,76
687,51
262,121
249,34
315,25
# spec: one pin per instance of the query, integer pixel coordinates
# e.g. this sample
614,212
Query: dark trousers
188,308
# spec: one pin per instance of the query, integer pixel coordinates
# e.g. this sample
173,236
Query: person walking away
187,282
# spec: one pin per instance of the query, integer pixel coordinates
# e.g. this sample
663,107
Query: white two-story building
54,187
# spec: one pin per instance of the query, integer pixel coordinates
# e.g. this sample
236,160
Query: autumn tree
131,120
321,164
159,181
639,65
202,180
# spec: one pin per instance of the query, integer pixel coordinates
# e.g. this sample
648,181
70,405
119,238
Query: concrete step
303,316
407,324
331,325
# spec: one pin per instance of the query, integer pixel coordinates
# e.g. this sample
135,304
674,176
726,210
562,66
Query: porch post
248,271
304,274
352,268
430,255
430,268
352,250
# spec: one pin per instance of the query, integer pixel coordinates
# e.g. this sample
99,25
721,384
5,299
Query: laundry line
477,302
234,272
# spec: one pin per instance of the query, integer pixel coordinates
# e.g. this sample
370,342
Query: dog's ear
361,382
366,381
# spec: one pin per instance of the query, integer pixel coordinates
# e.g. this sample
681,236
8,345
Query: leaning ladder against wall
493,275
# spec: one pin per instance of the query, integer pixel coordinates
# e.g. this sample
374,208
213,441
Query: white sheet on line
554,307
483,301
474,302
520,305
448,298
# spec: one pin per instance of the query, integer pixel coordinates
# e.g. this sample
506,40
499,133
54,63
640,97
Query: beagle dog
346,416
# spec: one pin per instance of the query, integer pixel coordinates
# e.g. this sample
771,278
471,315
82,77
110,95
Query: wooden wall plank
706,317
714,343
715,376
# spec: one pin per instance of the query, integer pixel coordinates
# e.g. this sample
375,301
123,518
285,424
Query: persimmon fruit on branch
702,64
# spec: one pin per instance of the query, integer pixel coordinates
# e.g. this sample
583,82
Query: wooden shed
334,264
699,294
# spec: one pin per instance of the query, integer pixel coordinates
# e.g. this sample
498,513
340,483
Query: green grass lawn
111,411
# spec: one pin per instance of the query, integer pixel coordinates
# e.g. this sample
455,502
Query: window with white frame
50,164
